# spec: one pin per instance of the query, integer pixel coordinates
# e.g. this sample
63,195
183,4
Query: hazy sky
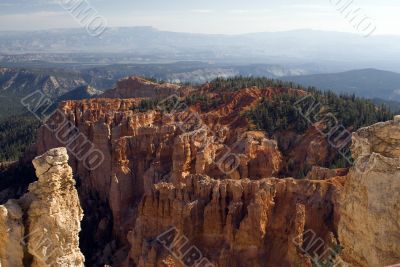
206,16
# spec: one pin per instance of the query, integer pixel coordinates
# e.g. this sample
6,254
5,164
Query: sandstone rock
204,174
320,173
369,206
236,223
382,138
11,235
142,149
44,224
165,170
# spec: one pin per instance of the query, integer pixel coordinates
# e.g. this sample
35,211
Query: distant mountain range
326,51
61,82
368,83
69,83
57,81
20,82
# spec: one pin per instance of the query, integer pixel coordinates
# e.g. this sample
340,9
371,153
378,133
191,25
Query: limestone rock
320,173
44,224
370,204
206,174
382,138
11,235
236,223
146,149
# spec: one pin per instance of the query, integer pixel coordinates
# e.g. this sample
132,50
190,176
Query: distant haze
332,50
206,16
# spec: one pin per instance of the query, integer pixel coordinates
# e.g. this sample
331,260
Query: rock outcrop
204,173
320,173
143,149
42,227
369,227
237,222
134,87
12,232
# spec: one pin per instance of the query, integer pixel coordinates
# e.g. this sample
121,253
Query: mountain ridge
305,46
369,82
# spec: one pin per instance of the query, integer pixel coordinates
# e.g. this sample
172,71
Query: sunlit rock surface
369,228
42,227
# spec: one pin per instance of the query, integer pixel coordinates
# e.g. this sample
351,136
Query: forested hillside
16,134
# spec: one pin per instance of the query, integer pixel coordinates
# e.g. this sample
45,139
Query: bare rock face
236,222
370,204
41,228
143,150
197,187
320,173
12,232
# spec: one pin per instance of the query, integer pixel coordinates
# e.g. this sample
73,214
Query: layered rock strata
237,222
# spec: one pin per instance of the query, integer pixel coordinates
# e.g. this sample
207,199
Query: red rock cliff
203,172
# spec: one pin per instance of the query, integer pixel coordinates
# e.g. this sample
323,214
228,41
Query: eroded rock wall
237,222
143,149
165,170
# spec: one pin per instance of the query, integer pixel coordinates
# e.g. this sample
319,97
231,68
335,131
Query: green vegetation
16,134
147,104
272,115
278,114
281,113
241,82
10,105
353,112
206,103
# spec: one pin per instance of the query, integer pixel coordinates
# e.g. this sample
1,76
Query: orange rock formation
202,172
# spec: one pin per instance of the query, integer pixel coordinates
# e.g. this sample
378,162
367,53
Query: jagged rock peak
382,138
42,227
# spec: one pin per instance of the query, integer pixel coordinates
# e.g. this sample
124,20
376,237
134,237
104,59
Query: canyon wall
143,149
41,228
206,175
237,222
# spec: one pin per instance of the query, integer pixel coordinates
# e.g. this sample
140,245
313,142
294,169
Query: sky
208,16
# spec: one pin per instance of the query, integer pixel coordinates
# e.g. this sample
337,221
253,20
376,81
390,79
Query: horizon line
197,33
